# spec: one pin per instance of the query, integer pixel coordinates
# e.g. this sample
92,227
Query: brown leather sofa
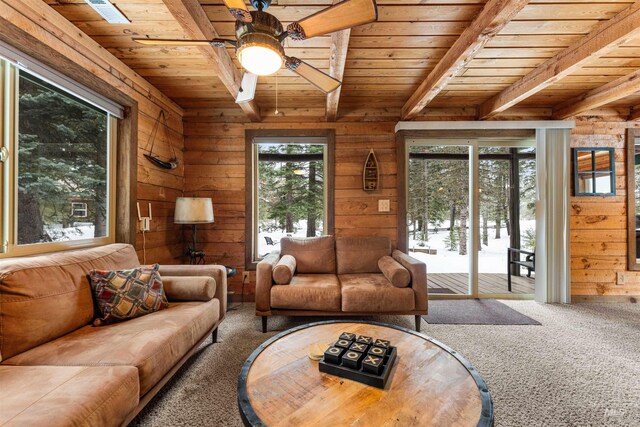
339,277
58,370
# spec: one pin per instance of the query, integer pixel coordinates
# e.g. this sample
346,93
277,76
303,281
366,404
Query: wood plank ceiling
386,61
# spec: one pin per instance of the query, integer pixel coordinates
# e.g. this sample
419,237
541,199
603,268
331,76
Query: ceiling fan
259,37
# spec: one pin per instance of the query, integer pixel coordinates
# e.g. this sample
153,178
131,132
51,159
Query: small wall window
58,173
594,172
79,210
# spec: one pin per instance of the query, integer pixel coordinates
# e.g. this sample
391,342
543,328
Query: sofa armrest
218,272
418,271
264,280
189,288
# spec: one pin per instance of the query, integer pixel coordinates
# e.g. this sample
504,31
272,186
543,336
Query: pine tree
62,154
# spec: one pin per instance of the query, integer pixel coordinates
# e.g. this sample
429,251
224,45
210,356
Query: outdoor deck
488,283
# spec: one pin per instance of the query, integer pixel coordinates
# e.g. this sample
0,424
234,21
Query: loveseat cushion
45,297
284,270
312,254
374,293
397,275
361,254
189,288
308,292
52,396
153,343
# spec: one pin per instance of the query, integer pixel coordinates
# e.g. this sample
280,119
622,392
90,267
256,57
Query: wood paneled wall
215,167
598,224
214,157
33,27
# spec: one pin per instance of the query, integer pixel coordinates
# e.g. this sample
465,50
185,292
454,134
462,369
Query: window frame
255,137
9,116
633,263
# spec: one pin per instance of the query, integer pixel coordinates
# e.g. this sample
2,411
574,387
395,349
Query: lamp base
195,256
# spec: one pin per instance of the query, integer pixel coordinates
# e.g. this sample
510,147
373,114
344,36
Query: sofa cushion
32,288
153,343
312,254
308,292
127,294
67,395
189,288
284,270
397,275
374,293
361,254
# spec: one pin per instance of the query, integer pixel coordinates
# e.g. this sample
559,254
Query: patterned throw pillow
125,294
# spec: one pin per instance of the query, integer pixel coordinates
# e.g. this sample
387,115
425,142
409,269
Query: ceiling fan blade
321,80
180,42
347,14
247,88
239,10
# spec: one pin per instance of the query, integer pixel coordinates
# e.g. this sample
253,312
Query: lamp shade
193,210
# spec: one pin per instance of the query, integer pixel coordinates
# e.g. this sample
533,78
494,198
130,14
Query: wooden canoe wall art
370,173
171,163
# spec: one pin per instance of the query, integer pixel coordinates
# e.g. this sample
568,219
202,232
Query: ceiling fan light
260,60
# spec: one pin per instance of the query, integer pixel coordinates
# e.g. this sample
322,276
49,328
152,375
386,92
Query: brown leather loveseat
58,370
340,276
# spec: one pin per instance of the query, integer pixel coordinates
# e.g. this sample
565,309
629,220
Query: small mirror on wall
594,172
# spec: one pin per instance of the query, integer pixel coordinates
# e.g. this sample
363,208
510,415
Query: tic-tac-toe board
360,358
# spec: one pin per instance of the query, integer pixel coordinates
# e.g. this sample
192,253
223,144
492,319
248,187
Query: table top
430,384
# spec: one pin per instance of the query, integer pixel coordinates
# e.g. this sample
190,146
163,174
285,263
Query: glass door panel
507,220
438,215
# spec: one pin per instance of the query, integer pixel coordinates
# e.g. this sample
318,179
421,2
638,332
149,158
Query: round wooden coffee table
430,384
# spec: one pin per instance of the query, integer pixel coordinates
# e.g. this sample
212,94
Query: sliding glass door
471,215
438,215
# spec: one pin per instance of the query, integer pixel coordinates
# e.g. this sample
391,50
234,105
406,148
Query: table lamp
193,211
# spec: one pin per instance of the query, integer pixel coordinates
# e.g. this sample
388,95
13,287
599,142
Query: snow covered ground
301,231
491,259
80,232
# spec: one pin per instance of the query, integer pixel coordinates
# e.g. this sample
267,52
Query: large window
57,175
291,180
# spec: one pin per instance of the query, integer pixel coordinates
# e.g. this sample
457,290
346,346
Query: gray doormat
475,312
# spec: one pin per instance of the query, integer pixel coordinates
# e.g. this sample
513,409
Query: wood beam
604,38
193,19
493,17
339,47
605,94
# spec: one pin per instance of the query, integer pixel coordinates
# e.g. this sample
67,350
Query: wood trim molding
494,16
127,176
612,299
193,19
250,135
606,37
488,125
401,153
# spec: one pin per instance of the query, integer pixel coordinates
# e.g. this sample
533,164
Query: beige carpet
580,368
